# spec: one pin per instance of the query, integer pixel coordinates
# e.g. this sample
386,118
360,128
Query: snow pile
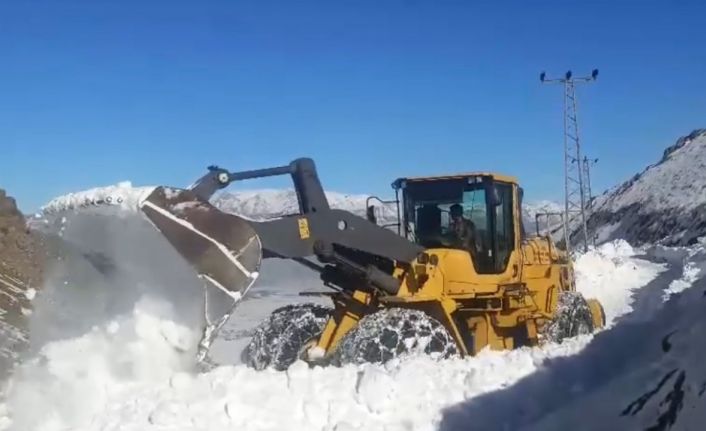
70,380
131,373
123,195
604,272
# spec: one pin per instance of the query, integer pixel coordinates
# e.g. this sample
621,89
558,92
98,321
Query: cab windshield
458,214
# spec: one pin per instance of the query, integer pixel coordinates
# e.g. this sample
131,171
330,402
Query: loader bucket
223,248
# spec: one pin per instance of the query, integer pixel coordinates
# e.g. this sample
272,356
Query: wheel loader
394,291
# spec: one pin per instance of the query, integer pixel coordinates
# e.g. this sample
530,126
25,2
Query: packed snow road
133,371
646,373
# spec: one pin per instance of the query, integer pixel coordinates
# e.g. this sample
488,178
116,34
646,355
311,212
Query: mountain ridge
664,203
262,204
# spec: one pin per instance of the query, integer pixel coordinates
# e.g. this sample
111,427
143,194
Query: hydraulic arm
226,249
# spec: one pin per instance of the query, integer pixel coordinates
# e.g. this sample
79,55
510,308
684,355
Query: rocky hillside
20,274
665,203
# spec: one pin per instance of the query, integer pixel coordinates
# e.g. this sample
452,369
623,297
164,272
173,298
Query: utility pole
587,163
574,181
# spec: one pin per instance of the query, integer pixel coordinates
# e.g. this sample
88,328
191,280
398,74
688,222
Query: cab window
463,216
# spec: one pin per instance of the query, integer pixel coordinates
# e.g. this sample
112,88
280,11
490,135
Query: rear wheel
392,333
573,317
279,340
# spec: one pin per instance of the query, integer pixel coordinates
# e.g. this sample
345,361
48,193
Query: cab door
496,258
497,254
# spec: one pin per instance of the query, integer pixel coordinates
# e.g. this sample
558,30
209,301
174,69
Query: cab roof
496,176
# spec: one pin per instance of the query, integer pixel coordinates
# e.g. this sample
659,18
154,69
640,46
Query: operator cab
487,227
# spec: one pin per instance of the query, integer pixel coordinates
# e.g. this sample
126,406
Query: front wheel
392,333
573,317
279,340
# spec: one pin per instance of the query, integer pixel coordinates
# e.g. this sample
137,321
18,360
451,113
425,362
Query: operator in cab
462,229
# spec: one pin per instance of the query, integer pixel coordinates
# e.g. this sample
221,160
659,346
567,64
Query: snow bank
644,374
130,374
610,273
70,380
691,273
101,381
694,266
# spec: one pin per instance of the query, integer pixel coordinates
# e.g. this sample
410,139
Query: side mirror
370,214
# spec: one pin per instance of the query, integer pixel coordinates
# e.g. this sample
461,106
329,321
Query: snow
691,273
78,377
542,206
122,194
646,372
30,293
598,270
273,203
133,373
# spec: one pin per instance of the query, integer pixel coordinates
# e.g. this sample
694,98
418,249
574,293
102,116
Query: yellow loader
423,287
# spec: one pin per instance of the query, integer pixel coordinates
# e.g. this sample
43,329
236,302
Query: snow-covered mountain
664,203
273,203
546,223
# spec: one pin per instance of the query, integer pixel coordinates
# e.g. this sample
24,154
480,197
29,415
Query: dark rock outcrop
20,272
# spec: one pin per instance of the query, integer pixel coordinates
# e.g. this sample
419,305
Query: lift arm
345,244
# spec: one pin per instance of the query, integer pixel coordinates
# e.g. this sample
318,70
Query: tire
573,318
393,333
277,342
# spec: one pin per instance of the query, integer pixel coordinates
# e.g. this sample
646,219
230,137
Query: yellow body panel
347,313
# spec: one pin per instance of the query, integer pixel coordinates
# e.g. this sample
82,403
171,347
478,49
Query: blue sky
96,92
